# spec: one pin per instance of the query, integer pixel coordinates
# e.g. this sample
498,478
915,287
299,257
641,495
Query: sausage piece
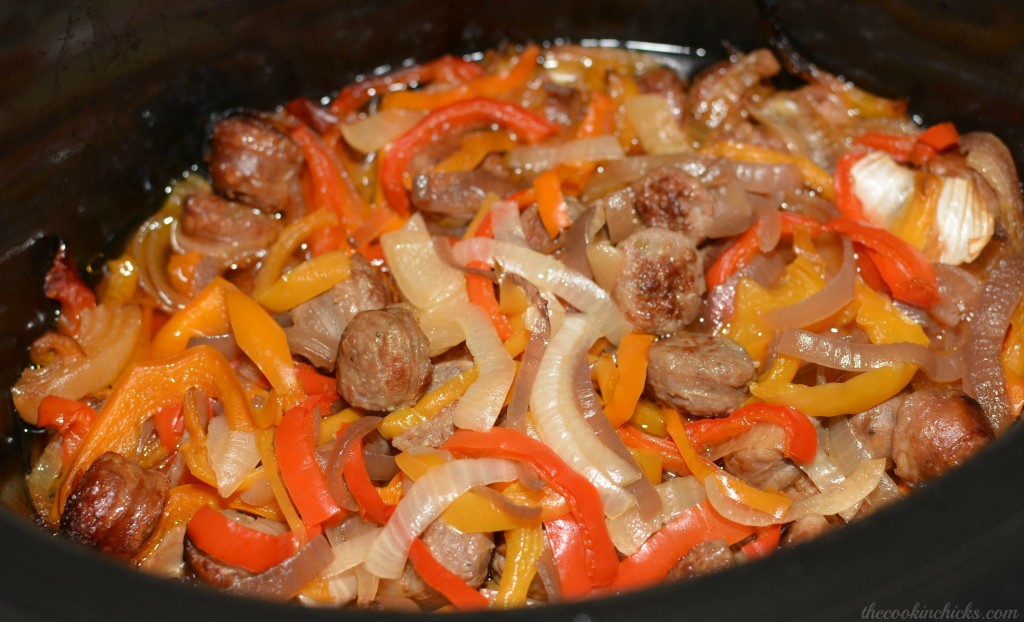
115,506
718,92
213,218
211,570
705,558
762,468
252,162
669,198
383,360
936,430
662,281
702,375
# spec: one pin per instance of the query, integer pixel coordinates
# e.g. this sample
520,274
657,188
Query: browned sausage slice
252,162
702,375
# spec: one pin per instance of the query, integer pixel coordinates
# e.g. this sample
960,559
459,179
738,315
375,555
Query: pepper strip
291,237
233,543
632,359
437,576
265,445
181,505
263,340
481,293
366,495
746,247
529,126
672,459
570,557
306,281
71,419
847,200
551,205
170,426
766,542
664,549
204,315
300,470
524,548
148,387
583,499
445,69
801,437
428,406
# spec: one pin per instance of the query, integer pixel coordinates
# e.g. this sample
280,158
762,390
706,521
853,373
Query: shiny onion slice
480,406
831,299
424,278
630,530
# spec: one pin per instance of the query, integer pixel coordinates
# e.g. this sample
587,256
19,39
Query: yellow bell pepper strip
551,205
428,406
815,177
650,463
263,340
524,548
773,503
607,376
300,470
120,283
147,387
306,281
567,549
582,497
68,418
330,426
234,543
481,86
883,323
206,314
265,445
1013,360
437,576
393,492
662,551
291,237
181,505
474,148
632,366
648,417
801,436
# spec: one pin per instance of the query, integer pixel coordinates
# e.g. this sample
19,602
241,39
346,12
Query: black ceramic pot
104,102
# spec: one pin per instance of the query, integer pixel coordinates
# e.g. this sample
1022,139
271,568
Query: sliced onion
379,130
285,580
630,530
822,471
836,353
233,455
620,215
366,587
848,453
424,278
225,253
883,187
225,344
549,274
606,264
352,552
547,571
577,237
837,293
473,249
732,213
442,333
537,158
562,426
965,224
259,494
540,336
424,502
766,179
987,155
335,467
312,346
166,559
958,295
734,510
769,227
984,379
44,480
507,225
151,247
107,336
843,497
651,116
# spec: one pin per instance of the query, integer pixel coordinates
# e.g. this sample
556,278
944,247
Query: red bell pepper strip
570,557
437,576
801,437
668,545
906,271
65,286
442,122
898,146
300,470
71,419
233,543
581,496
332,191
766,542
481,293
445,69
312,114
917,150
366,495
672,460
940,137
846,199
170,426
745,248
313,382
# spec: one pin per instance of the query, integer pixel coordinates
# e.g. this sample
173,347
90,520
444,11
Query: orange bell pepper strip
672,459
437,576
599,118
315,383
906,271
632,359
333,191
446,69
263,340
146,388
182,504
551,205
366,495
302,475
170,426
71,419
801,437
583,499
443,122
206,314
493,85
233,543
481,293
663,550
745,248
65,286
570,557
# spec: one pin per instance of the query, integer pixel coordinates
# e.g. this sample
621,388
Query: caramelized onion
620,215
525,513
844,497
837,293
958,293
540,335
987,155
335,482
285,580
769,227
984,379
848,453
311,345
576,239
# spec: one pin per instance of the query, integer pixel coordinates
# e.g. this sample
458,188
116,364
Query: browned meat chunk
212,571
465,554
383,360
563,104
762,468
718,91
115,506
936,430
705,558
252,162
457,196
209,217
874,427
804,529
662,281
664,81
702,375
671,199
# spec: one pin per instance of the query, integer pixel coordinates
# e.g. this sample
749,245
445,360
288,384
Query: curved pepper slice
300,470
71,419
437,576
801,437
233,543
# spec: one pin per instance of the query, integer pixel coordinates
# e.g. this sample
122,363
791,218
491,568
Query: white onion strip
848,452
837,293
537,158
351,553
845,496
629,530
423,504
424,278
480,406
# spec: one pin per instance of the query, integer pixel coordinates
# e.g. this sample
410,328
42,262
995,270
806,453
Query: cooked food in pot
551,324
